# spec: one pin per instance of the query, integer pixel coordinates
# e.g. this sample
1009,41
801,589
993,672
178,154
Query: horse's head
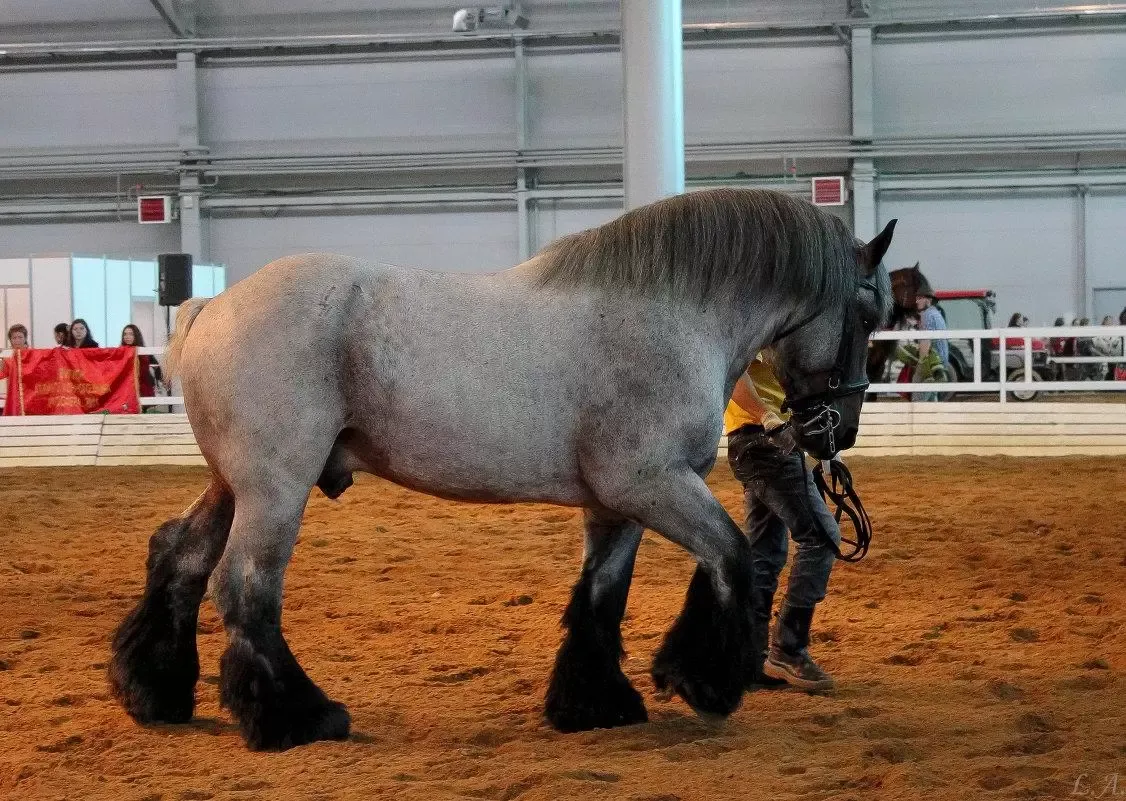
905,284
821,361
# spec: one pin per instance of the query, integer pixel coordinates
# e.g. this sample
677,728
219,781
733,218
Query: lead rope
841,493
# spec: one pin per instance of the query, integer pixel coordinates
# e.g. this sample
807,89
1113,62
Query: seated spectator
1018,320
149,367
62,336
1107,346
1062,347
80,335
1084,346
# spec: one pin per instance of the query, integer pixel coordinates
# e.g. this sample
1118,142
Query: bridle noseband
814,410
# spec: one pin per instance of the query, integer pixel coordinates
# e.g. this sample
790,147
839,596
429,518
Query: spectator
62,336
934,354
1062,347
149,367
80,335
1085,346
17,337
1120,370
1018,320
1107,346
17,340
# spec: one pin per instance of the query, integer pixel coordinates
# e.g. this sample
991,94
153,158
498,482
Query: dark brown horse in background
905,283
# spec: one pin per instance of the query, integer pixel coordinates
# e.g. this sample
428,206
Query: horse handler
779,494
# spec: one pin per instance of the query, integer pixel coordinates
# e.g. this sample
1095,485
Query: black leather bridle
812,414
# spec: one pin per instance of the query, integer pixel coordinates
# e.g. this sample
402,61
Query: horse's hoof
605,708
160,702
707,699
298,727
151,672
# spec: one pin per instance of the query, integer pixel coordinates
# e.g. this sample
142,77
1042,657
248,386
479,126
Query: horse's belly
452,467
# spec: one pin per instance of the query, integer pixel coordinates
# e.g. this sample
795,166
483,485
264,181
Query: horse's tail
185,316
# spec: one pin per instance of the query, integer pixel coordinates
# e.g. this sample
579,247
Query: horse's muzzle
821,433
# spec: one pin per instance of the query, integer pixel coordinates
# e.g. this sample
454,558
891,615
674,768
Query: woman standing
148,366
80,335
17,340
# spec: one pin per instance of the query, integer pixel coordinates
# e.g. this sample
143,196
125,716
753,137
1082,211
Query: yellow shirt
768,389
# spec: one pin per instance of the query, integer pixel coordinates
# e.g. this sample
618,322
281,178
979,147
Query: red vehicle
970,309
973,308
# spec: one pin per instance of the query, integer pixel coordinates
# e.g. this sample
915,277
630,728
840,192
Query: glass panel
119,302
220,279
144,279
201,281
19,310
88,286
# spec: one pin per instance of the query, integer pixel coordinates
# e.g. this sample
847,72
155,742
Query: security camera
465,19
470,19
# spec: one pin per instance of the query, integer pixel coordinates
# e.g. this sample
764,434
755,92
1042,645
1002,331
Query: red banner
72,381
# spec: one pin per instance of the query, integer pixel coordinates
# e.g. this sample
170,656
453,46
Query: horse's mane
713,242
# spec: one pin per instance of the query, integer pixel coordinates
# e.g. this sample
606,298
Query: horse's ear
872,254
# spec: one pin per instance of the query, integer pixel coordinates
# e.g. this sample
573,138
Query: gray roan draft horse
593,375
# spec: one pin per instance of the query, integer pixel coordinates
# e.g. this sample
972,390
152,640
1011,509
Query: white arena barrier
896,428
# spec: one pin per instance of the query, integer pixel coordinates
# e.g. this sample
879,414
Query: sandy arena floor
980,649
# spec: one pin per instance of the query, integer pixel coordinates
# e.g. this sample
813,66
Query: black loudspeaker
174,283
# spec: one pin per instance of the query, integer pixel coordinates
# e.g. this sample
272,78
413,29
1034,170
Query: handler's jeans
779,495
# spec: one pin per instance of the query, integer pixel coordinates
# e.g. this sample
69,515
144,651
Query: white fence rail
1032,363
991,378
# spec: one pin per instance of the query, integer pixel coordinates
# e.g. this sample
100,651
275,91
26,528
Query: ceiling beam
168,17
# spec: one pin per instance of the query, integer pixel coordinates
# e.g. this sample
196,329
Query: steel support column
187,117
861,67
653,87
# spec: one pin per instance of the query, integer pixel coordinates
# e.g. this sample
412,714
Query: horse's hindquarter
491,388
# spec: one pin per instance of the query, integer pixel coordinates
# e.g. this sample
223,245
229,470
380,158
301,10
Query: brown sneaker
788,658
798,670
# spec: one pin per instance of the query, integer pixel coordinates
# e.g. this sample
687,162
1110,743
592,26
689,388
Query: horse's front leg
706,655
588,689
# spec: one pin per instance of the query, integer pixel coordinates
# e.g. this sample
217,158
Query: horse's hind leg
588,689
155,666
276,705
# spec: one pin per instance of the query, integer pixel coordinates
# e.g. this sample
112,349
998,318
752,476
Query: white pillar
653,87
187,118
861,65
864,223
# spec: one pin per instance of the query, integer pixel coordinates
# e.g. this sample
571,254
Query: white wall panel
575,99
558,218
100,108
1023,248
51,307
1106,249
128,239
437,240
766,93
441,104
1011,85
14,271
730,94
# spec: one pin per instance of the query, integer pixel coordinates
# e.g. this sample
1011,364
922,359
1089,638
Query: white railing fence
1034,365
991,378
